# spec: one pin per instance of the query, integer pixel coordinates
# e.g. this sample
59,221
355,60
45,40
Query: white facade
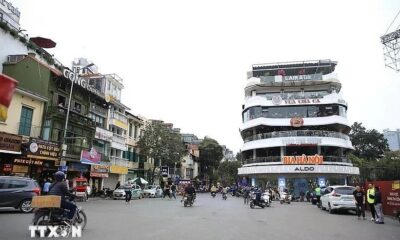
9,14
14,47
295,111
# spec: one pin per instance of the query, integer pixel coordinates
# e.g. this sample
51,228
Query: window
25,122
61,101
3,183
17,184
77,107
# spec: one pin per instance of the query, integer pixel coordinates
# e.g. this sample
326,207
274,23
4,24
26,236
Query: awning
10,152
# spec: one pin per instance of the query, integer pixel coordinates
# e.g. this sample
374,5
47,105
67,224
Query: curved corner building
295,129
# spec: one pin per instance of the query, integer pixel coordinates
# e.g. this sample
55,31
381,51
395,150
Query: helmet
59,176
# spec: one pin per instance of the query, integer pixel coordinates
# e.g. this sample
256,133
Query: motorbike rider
224,191
59,188
189,191
214,189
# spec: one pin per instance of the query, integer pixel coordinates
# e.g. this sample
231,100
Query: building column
319,150
254,154
253,181
282,151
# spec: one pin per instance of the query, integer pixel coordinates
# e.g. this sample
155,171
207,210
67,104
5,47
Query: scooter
285,198
254,202
107,193
188,200
266,197
224,197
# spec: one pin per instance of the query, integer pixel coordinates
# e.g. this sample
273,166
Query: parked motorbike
106,193
213,194
58,217
266,197
285,198
224,197
254,202
188,200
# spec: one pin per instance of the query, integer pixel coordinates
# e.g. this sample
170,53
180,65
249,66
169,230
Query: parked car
337,198
17,192
119,193
152,191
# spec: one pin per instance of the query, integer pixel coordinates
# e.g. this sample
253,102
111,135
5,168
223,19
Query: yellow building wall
11,125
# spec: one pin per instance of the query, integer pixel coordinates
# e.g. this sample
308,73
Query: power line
393,21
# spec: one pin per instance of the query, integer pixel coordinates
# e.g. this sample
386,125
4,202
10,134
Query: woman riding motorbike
59,188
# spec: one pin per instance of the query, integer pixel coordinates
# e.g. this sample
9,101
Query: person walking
359,196
370,200
46,186
318,195
128,192
173,189
167,191
246,195
118,185
378,206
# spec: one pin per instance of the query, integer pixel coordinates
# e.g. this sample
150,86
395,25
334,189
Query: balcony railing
297,133
119,161
73,116
277,159
29,131
119,138
119,116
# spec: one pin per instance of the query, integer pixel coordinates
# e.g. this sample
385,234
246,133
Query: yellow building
25,114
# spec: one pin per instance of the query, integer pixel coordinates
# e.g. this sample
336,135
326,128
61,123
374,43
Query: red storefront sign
7,167
390,191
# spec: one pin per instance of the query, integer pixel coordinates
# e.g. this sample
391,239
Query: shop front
117,173
97,175
10,148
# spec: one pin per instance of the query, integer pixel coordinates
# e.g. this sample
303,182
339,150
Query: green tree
210,157
239,157
162,145
368,144
228,171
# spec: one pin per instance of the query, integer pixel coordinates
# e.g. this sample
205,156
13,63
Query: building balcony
118,142
119,119
298,133
118,161
74,116
131,141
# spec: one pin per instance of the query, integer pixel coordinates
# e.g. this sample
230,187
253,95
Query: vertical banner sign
321,182
281,183
164,171
7,87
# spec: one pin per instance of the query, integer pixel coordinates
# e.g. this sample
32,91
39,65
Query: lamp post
68,110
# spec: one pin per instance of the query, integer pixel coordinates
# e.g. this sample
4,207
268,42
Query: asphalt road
210,219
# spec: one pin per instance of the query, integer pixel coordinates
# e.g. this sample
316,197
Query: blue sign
321,182
281,182
63,168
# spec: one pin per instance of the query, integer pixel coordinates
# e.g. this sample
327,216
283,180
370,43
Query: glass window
3,183
25,121
345,190
312,111
17,184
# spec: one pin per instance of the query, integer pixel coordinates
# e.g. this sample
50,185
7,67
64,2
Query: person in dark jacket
378,206
118,185
359,196
59,188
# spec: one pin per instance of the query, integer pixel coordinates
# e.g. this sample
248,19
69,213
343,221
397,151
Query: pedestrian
318,195
167,191
378,206
359,196
128,192
173,189
370,200
46,186
118,185
246,195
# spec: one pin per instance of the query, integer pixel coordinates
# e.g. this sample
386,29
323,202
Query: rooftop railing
298,133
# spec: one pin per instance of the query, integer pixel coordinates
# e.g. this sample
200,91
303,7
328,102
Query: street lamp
68,109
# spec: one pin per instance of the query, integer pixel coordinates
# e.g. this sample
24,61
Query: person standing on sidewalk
128,192
370,200
378,206
360,202
318,195
46,186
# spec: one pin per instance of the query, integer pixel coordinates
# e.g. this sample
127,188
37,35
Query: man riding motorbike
189,192
59,188
213,190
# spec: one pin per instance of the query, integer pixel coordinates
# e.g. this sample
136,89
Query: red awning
43,42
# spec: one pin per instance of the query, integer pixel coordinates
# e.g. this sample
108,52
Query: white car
152,191
335,198
119,193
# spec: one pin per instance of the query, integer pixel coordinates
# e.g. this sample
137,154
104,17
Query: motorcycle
266,197
188,200
224,197
285,198
213,194
254,202
106,193
58,217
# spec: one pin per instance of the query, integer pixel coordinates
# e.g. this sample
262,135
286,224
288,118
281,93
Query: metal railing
74,116
298,133
333,159
118,161
30,131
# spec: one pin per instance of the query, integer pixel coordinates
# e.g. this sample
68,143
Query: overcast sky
185,62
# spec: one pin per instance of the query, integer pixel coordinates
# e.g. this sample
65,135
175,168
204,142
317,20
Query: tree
368,144
210,156
239,157
228,171
162,145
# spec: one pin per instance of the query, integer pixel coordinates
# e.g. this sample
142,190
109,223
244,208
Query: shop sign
74,77
101,175
20,169
296,122
390,191
90,157
40,149
164,171
304,169
303,159
78,167
100,168
7,167
103,134
119,124
10,142
307,77
28,162
301,101
11,8
118,169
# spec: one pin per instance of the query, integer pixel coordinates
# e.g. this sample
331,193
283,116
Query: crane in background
391,46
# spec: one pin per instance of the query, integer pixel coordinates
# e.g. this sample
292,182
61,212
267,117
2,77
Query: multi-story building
135,125
295,129
190,162
393,138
